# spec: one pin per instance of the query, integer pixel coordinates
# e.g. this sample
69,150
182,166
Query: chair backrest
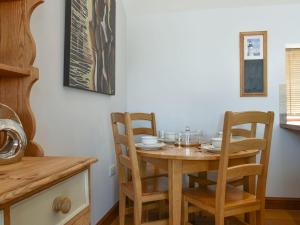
243,132
144,117
251,142
125,150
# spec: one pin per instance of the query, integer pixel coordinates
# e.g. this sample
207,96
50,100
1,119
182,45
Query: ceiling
138,7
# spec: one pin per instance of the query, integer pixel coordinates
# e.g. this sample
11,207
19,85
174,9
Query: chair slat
118,118
247,144
121,139
125,161
250,117
241,132
142,130
141,116
244,170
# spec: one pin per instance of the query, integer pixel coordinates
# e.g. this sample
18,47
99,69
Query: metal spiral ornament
13,138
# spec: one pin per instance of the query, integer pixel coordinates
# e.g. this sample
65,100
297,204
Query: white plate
211,148
156,146
166,141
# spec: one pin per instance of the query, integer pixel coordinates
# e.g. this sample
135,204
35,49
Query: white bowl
216,142
149,140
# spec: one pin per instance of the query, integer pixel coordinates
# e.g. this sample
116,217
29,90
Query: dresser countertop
33,174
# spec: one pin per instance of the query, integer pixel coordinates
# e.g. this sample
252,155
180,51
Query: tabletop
189,153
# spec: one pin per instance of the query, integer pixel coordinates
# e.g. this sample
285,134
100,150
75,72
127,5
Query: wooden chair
138,190
149,170
202,178
225,200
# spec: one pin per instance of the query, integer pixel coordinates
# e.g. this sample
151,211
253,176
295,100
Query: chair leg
161,208
191,182
122,207
252,218
137,212
185,211
219,220
260,217
145,214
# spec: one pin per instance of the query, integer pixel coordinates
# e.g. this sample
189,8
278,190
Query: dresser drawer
38,209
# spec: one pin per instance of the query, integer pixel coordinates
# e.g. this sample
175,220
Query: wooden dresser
36,190
46,191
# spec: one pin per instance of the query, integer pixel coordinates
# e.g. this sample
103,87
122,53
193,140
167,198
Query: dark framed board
90,41
253,64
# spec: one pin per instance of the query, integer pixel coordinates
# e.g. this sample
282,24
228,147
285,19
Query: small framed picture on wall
253,64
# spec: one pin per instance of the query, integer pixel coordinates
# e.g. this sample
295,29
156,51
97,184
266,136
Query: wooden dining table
185,160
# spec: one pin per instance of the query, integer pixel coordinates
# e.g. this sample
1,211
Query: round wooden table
181,160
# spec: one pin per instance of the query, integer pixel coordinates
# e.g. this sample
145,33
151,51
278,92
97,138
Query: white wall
70,121
184,66
141,7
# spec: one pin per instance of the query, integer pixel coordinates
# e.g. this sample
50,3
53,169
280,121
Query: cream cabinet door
37,210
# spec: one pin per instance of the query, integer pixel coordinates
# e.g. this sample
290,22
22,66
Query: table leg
142,167
175,191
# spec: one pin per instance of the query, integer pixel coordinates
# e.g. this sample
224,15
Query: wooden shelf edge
7,71
293,127
10,0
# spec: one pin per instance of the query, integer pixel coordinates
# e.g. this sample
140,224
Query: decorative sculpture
13,139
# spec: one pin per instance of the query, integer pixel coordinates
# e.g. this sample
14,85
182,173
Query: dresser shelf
10,0
7,71
17,55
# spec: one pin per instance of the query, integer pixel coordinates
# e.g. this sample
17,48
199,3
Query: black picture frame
89,51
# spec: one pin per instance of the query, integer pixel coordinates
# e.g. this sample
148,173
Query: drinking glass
179,139
200,133
204,138
161,135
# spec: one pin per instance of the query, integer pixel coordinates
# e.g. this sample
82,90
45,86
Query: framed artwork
253,64
90,45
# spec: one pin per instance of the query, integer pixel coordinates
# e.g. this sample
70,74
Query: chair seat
205,198
153,189
212,179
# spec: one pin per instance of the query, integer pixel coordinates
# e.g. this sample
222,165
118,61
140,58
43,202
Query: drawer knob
62,204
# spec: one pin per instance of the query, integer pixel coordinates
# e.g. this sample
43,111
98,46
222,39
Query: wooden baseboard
271,203
110,216
282,203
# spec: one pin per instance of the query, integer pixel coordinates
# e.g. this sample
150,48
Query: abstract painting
90,45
